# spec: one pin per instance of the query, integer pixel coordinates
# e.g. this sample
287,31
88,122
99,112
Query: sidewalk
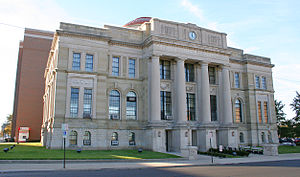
46,165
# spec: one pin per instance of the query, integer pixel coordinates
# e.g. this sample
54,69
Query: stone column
154,89
205,94
226,96
180,91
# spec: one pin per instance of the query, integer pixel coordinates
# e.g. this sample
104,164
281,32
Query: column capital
154,56
203,63
180,59
224,66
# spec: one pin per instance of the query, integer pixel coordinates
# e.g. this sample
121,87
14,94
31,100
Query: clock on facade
192,35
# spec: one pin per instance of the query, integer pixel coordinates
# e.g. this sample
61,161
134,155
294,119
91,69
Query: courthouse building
155,84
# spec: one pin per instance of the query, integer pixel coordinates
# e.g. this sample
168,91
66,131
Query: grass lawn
288,149
35,151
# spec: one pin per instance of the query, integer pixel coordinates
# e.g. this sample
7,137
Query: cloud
193,9
36,14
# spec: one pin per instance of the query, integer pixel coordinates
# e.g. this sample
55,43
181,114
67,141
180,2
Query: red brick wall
30,83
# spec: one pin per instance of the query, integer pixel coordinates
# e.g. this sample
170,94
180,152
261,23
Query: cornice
231,60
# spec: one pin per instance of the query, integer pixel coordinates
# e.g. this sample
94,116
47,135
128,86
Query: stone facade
172,112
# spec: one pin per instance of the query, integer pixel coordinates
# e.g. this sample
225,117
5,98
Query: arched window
238,111
131,139
263,140
114,104
242,138
131,105
87,138
114,139
73,138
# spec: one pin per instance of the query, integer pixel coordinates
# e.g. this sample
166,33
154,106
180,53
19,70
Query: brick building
30,84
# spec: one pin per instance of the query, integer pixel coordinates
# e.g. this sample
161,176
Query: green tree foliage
280,115
8,124
296,107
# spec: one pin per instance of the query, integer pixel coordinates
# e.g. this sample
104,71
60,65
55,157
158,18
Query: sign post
64,128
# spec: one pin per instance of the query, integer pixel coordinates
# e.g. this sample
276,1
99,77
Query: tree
296,107
7,125
280,115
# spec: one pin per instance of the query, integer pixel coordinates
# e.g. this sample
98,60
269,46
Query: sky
269,28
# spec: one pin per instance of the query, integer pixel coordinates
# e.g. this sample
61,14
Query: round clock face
192,35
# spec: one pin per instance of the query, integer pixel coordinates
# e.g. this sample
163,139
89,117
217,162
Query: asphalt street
284,168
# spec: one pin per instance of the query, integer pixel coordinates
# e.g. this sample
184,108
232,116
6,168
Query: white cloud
36,14
193,9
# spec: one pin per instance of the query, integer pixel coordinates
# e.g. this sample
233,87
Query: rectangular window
165,69
257,82
74,102
131,68
266,112
212,75
259,112
236,80
87,103
189,72
115,66
264,82
190,102
89,62
213,107
166,105
76,61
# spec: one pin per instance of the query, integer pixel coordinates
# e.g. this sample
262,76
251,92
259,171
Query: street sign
64,127
64,134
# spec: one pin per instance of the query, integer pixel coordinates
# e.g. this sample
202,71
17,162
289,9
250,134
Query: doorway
168,140
194,137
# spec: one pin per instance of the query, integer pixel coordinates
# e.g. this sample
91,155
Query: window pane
131,139
87,103
190,101
87,138
259,112
189,72
236,80
115,66
165,69
264,82
89,63
241,137
166,105
238,111
213,107
76,61
266,112
131,106
74,102
212,75
131,68
73,138
257,82
114,105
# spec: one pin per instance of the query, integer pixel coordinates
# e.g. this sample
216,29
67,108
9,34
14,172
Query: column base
271,149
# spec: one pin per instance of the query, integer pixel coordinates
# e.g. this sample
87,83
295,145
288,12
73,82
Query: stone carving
168,30
214,40
82,82
190,88
213,91
165,86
